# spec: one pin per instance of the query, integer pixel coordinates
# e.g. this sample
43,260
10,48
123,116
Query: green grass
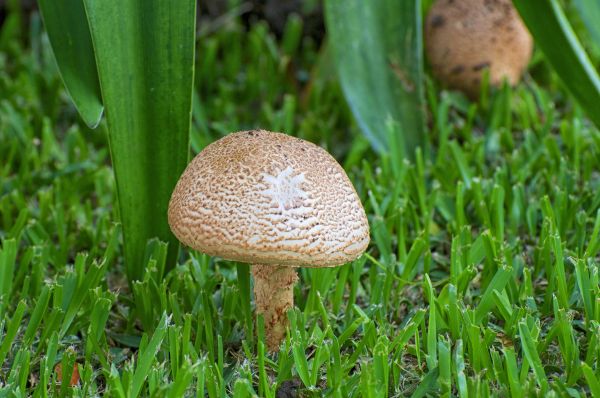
482,277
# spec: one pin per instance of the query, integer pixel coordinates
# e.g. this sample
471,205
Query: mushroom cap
268,198
464,37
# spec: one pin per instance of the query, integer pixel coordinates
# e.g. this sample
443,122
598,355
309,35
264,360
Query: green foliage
590,14
379,57
482,278
554,35
142,53
145,56
67,27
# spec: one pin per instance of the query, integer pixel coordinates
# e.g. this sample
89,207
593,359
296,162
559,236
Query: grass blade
11,331
69,35
554,35
243,274
8,256
461,380
594,242
378,49
148,356
37,315
512,372
298,351
432,357
182,381
445,367
428,384
381,364
559,266
145,57
497,284
591,379
532,355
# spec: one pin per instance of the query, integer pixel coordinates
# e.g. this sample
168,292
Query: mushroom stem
274,295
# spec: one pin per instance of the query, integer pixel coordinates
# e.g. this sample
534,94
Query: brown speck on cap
437,21
268,198
481,66
476,30
457,69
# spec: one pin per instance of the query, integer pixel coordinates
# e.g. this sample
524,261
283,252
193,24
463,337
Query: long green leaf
378,50
555,37
69,35
145,56
590,14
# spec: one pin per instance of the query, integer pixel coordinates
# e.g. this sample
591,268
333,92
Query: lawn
481,279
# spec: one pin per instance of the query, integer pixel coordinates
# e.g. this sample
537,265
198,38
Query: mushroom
465,37
275,202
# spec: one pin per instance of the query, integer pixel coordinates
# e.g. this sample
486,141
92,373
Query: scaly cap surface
269,198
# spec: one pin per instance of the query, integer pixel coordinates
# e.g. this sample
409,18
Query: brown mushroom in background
276,202
465,37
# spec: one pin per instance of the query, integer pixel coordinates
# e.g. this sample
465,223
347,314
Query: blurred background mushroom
467,37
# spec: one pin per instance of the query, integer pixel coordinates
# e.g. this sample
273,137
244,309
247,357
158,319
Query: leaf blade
554,35
590,14
69,34
378,49
145,56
